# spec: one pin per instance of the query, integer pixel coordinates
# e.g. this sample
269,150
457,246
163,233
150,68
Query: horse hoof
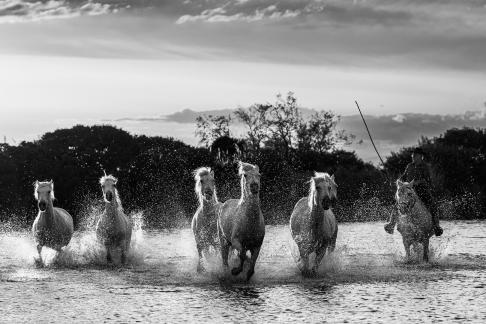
438,231
38,263
389,228
236,271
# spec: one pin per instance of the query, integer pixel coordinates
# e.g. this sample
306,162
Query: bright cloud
12,11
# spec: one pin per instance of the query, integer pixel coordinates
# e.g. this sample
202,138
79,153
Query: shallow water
365,280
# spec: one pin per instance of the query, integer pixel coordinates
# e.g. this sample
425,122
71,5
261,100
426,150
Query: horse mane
198,174
244,167
118,201
42,184
108,177
318,177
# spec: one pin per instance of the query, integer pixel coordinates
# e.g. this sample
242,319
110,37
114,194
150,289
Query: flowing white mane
43,186
318,178
247,168
104,178
198,175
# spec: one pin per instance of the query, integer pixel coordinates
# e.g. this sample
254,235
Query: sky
68,62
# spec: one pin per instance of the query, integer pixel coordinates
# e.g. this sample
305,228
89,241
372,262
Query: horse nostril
42,206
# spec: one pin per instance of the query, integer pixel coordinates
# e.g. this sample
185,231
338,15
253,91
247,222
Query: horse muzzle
42,205
254,188
326,203
109,196
208,194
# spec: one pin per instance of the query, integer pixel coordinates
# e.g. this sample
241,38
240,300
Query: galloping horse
53,226
204,222
312,223
114,228
414,221
240,223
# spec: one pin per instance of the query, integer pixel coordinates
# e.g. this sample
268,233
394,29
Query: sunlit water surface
365,280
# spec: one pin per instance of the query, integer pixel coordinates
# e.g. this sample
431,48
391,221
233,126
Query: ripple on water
365,279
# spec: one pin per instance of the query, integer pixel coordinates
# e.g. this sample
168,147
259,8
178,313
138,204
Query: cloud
240,11
12,11
399,118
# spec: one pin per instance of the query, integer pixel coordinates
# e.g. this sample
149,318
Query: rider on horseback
418,171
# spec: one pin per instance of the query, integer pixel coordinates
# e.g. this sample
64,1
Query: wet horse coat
312,223
53,226
204,222
241,225
414,221
114,228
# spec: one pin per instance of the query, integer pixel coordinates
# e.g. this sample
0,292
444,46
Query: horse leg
406,245
39,260
425,244
254,256
242,254
320,252
108,255
224,251
123,256
304,260
200,266
332,246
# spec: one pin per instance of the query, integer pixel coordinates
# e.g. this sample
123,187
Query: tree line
155,173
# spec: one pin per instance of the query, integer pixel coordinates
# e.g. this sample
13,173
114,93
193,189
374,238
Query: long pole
371,139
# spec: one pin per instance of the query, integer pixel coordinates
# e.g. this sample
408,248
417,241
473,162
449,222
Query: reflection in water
366,279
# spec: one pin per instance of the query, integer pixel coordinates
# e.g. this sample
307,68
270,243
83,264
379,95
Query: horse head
250,178
108,186
323,190
405,196
205,186
44,193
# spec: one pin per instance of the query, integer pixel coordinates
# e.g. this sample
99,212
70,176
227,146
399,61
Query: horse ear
212,173
36,183
51,182
412,182
399,183
257,168
334,181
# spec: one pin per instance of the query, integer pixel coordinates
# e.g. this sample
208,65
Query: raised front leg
254,256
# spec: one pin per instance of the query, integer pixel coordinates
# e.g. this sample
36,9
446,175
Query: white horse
414,220
204,222
53,226
312,223
114,228
240,223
